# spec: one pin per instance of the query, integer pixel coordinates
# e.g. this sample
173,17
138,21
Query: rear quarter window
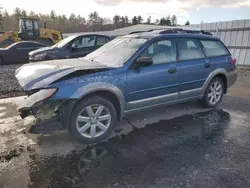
214,48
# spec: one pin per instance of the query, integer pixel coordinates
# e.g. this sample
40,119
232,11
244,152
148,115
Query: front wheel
93,119
214,93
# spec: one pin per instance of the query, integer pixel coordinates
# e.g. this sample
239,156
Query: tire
89,122
215,87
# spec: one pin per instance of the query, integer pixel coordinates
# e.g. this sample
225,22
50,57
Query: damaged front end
50,85
37,102
47,111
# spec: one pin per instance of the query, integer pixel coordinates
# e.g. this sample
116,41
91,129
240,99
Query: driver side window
162,51
83,42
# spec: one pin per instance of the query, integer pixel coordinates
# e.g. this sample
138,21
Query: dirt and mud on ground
170,146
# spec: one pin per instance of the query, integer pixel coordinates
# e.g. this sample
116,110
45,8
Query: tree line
77,23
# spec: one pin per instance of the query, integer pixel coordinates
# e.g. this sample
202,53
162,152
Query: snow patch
15,100
2,108
2,114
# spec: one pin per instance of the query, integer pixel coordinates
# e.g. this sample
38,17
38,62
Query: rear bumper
231,78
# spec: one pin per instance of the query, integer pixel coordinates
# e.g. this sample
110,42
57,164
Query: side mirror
144,61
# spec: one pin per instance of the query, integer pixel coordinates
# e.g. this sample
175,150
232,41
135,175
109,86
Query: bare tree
32,13
1,18
187,23
134,20
174,20
23,13
139,19
149,20
17,15
93,19
126,20
116,20
75,23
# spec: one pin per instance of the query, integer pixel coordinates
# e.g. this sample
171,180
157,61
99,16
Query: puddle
187,151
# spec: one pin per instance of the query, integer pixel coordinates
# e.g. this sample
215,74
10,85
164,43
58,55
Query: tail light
234,61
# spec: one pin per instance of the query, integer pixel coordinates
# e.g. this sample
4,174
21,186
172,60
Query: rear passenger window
189,49
214,48
101,41
163,51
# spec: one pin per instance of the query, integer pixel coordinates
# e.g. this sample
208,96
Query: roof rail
206,32
175,30
134,32
187,31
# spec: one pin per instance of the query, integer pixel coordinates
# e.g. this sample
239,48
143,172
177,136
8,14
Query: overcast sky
193,10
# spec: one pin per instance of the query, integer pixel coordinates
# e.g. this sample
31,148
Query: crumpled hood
40,50
41,74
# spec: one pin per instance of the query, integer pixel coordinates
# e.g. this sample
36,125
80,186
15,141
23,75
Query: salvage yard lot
170,146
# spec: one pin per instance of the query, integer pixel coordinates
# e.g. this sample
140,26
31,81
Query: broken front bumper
47,109
41,110
46,113
35,101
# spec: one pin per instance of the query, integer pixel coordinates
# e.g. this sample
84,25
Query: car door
158,83
21,51
82,46
17,53
194,67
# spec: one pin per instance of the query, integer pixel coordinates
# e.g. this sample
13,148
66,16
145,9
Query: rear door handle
207,64
172,71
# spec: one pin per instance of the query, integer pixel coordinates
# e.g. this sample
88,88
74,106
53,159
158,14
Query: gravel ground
9,85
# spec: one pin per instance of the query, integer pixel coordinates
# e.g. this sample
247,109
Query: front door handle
172,71
207,64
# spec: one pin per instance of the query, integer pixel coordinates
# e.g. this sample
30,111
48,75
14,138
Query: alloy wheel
93,121
215,93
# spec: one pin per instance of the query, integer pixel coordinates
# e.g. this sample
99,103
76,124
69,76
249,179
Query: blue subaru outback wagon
130,73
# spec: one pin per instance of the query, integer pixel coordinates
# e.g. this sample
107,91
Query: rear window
214,48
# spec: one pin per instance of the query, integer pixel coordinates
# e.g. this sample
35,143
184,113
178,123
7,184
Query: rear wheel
214,93
93,119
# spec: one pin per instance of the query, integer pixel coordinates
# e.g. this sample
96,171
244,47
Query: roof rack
187,31
175,30
134,32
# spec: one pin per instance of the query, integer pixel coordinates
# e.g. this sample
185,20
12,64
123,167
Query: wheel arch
112,97
221,73
224,79
107,91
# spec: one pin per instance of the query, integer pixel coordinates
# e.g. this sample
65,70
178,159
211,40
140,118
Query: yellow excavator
29,29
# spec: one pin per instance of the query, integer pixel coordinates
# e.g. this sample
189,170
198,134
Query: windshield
116,52
63,42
